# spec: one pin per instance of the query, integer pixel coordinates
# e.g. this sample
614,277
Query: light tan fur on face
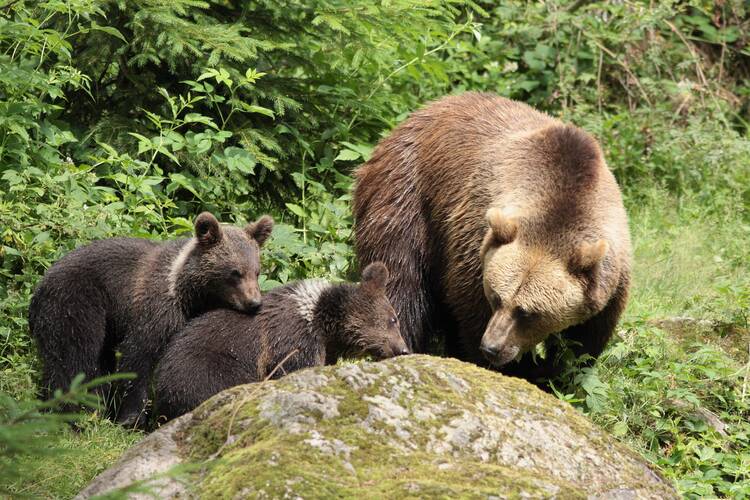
527,278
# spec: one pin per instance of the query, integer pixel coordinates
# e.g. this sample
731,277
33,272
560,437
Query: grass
675,384
689,262
652,388
78,456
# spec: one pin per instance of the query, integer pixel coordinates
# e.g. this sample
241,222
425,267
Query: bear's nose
253,304
398,347
490,351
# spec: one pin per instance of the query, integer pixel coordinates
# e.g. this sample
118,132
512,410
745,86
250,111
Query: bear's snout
497,354
491,352
252,304
247,302
247,297
389,347
400,349
501,342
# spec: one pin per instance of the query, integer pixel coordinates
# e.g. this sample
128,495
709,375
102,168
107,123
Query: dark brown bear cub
302,324
126,297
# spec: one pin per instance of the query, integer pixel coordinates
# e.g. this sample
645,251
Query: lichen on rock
413,426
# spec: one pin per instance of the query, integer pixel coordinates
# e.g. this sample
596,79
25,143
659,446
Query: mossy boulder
414,426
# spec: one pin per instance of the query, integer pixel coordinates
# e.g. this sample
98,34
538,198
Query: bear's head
220,266
371,325
533,292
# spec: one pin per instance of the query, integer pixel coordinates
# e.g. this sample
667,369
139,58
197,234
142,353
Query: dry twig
626,67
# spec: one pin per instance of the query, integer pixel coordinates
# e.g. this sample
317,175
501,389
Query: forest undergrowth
129,118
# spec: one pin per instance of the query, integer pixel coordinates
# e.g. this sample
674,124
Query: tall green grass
689,260
75,457
674,384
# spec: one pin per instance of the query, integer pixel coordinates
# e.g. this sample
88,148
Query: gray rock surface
145,468
414,426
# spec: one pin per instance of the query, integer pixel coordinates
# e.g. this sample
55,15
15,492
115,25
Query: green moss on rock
414,426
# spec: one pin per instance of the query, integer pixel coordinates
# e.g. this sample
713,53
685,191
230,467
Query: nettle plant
311,238
189,150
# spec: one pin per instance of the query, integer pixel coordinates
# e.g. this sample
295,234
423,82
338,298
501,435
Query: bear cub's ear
375,277
207,229
260,230
504,229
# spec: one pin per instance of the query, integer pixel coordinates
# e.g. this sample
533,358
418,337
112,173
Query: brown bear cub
502,226
125,298
302,324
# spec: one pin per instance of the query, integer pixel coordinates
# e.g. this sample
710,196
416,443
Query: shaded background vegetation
128,117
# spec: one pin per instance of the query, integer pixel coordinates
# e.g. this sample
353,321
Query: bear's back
253,344
463,153
224,348
103,260
126,277
287,340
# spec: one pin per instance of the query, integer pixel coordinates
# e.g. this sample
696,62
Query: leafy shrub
129,118
331,71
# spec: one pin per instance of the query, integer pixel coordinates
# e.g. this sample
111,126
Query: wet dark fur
113,296
223,348
420,205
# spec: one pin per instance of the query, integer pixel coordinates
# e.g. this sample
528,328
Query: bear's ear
589,255
207,229
374,277
260,230
503,229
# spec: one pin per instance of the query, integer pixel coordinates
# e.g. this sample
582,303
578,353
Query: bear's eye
392,321
236,273
523,314
495,301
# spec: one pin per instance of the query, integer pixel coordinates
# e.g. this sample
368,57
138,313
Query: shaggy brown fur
128,296
308,323
482,208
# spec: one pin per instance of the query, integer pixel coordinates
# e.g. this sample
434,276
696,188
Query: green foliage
283,82
678,390
684,407
27,427
129,117
643,77
648,148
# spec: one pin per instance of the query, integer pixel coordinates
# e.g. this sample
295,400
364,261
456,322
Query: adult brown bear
501,226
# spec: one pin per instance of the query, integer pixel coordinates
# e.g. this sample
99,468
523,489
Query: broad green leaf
348,155
296,210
